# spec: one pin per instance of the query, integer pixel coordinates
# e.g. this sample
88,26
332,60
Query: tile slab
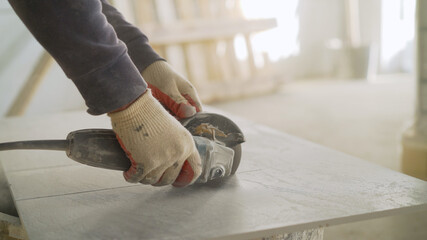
284,184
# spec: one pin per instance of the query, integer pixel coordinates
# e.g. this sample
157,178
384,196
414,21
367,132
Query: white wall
385,27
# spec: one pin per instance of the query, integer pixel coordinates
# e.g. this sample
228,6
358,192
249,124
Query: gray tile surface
284,184
358,117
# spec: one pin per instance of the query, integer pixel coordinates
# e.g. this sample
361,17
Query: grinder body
216,137
100,148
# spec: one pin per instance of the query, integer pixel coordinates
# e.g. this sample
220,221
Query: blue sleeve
139,49
77,35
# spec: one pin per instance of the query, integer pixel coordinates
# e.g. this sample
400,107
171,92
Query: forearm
140,51
77,34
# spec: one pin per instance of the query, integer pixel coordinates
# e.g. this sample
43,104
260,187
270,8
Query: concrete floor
361,118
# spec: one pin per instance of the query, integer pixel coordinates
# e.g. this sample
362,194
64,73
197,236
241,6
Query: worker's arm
78,36
173,90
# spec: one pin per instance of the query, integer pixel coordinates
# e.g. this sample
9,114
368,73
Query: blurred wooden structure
198,38
25,95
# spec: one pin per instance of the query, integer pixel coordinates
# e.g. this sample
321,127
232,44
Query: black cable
36,144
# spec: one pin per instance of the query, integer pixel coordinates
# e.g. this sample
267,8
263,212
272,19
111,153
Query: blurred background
235,48
342,73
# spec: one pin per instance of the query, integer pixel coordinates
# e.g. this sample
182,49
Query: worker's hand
158,146
175,92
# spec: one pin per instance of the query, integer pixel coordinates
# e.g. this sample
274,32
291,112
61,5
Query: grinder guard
219,129
217,160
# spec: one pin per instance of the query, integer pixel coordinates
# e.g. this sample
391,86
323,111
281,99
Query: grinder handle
97,148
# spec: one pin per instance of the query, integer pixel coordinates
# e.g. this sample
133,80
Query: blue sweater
96,48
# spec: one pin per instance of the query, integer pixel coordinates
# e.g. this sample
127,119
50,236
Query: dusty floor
361,118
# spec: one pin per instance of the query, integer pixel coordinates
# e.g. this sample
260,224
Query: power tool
217,138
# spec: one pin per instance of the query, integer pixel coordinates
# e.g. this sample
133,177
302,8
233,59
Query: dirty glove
158,146
175,92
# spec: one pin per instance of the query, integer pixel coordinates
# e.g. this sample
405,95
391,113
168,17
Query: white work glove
158,146
172,90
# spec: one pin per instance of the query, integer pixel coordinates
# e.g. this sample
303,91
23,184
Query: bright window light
280,42
397,29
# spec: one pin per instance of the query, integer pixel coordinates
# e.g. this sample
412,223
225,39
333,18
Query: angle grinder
217,138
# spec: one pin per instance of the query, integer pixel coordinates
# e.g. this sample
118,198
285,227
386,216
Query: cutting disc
217,128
